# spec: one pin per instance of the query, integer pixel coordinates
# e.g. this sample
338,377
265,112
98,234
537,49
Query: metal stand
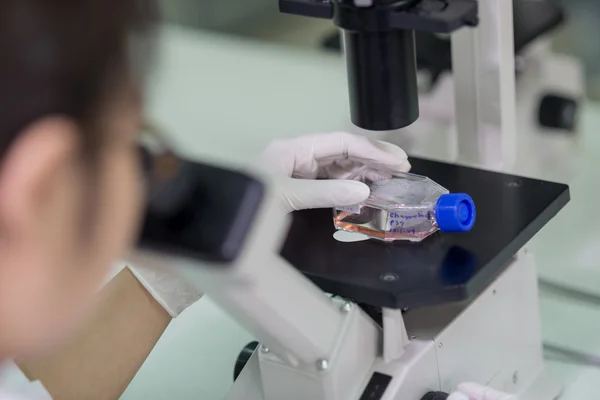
538,151
485,99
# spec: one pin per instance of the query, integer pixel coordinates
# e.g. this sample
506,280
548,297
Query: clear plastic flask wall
405,206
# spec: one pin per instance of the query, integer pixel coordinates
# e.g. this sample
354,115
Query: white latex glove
313,169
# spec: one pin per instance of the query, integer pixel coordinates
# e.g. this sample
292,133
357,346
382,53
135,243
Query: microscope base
247,386
494,340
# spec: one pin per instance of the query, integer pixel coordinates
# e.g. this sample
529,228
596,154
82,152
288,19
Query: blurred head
70,194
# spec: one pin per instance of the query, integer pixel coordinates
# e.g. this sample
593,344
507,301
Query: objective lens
382,79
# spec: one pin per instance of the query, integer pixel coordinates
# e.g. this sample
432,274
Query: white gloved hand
313,170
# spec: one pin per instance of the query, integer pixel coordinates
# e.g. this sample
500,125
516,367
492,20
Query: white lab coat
14,385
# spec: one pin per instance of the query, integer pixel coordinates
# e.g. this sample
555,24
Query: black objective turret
379,43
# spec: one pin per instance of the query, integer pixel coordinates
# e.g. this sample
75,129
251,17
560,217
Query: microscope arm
483,62
284,310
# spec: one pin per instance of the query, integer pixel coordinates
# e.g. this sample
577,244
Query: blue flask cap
455,212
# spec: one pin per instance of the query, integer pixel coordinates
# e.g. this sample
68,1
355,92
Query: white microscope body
313,347
494,341
316,347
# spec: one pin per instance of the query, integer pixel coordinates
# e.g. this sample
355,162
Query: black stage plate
444,267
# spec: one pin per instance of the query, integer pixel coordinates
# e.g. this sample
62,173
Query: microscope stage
443,268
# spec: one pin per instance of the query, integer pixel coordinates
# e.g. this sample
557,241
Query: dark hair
63,57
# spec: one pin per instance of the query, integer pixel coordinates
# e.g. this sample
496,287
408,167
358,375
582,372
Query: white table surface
223,98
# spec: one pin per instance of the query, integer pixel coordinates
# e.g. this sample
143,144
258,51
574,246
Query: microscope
373,320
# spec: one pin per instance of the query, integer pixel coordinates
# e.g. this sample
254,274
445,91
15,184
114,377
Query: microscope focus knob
558,112
435,396
243,359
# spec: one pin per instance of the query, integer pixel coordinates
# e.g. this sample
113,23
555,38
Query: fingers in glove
393,150
344,169
339,145
374,175
301,194
304,157
353,170
325,149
